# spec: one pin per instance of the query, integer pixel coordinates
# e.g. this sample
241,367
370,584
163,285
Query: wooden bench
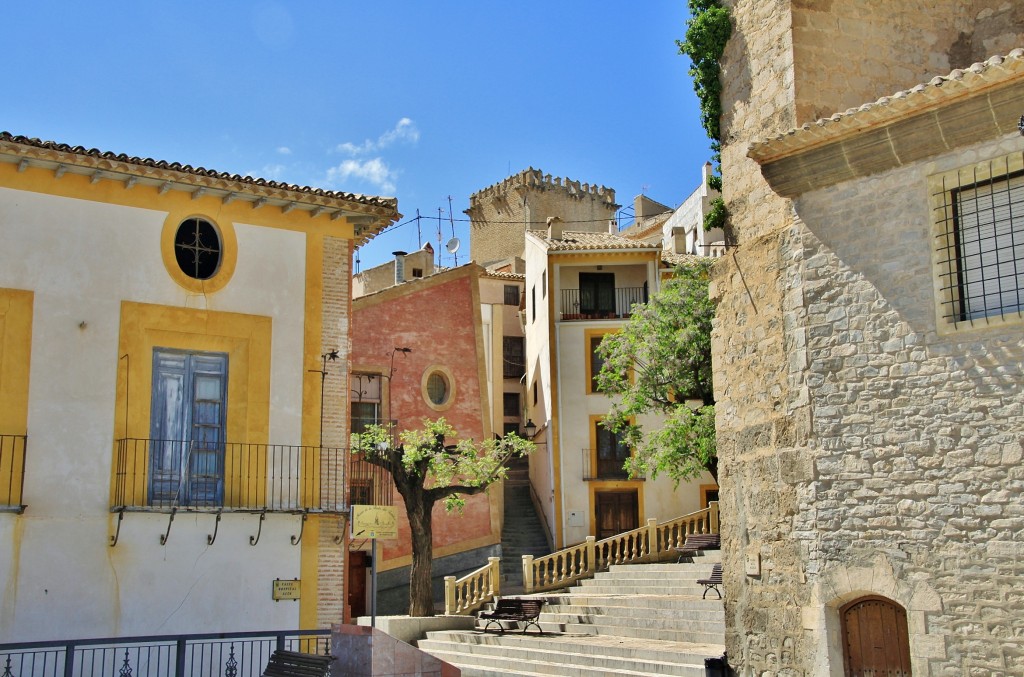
514,609
293,664
713,582
695,543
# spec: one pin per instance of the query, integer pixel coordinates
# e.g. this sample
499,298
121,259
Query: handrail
649,543
467,594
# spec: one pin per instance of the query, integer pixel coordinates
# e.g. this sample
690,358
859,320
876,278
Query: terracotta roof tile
992,72
386,202
579,241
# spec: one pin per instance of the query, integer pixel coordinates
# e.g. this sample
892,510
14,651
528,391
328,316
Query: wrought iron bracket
163,537
253,540
117,532
302,527
216,525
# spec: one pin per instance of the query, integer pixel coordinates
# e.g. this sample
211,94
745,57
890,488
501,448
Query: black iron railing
590,305
165,474
604,468
12,472
242,654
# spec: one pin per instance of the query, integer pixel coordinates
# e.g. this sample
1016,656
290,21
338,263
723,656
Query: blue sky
419,100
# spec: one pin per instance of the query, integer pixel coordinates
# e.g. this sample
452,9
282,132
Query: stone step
664,634
567,654
559,613
670,602
676,590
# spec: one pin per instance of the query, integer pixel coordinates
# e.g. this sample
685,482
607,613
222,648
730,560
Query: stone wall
849,53
860,451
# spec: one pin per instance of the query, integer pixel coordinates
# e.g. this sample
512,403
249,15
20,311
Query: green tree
660,363
426,470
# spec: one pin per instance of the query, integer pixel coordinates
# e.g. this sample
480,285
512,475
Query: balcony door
187,428
597,294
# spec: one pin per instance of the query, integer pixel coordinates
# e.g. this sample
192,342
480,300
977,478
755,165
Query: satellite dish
453,245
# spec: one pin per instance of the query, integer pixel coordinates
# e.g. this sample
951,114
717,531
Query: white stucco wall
59,576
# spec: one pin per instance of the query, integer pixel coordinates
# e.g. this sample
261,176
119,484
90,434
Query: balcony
586,304
610,468
164,475
12,472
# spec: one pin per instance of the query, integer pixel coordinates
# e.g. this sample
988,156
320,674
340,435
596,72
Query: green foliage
715,218
658,362
443,471
707,32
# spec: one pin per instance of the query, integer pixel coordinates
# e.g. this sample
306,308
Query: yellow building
166,453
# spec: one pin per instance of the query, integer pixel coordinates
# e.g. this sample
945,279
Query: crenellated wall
501,214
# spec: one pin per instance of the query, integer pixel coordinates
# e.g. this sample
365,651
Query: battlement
536,180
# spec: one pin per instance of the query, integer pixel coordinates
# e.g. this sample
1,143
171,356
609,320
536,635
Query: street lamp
530,429
391,372
331,355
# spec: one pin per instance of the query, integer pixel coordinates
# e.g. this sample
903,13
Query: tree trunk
421,597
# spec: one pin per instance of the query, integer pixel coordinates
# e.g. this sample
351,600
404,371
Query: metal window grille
980,243
511,295
510,402
514,356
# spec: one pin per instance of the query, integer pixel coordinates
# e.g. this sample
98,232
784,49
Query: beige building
579,287
868,342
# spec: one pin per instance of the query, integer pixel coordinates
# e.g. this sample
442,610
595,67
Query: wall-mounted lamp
332,356
530,429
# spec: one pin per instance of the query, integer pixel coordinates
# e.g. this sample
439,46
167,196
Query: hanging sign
374,521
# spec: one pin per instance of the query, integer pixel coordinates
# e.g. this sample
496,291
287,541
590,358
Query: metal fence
588,304
12,472
164,474
243,654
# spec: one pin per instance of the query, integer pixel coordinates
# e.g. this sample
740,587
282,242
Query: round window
437,388
197,248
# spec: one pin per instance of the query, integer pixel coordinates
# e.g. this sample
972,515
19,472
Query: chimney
613,227
554,228
399,266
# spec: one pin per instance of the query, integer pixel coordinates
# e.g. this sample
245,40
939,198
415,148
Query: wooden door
357,564
875,639
616,511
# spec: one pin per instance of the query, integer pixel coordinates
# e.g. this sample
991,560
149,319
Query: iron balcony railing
12,472
160,475
604,468
589,304
242,654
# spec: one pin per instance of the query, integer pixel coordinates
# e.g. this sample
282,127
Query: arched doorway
875,640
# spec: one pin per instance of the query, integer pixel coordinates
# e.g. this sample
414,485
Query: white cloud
284,150
405,131
373,171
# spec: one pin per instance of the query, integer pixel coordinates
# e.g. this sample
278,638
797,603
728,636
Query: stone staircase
522,533
642,619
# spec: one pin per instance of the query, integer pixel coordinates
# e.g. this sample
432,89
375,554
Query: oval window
197,248
437,388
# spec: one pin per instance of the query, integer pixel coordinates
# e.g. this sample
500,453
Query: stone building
868,345
501,214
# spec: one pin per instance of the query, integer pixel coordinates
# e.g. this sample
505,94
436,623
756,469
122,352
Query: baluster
7,668
126,669
231,665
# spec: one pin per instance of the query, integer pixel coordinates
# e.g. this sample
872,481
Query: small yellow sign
284,589
375,521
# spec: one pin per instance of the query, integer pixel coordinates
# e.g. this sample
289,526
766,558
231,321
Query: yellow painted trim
588,357
115,192
553,417
452,389
312,349
704,489
603,257
228,260
16,307
245,338
309,572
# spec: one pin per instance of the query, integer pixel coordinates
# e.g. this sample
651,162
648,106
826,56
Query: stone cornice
968,106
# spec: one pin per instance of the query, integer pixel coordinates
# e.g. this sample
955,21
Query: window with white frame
979,212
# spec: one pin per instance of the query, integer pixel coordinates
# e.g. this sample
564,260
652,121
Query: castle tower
501,214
